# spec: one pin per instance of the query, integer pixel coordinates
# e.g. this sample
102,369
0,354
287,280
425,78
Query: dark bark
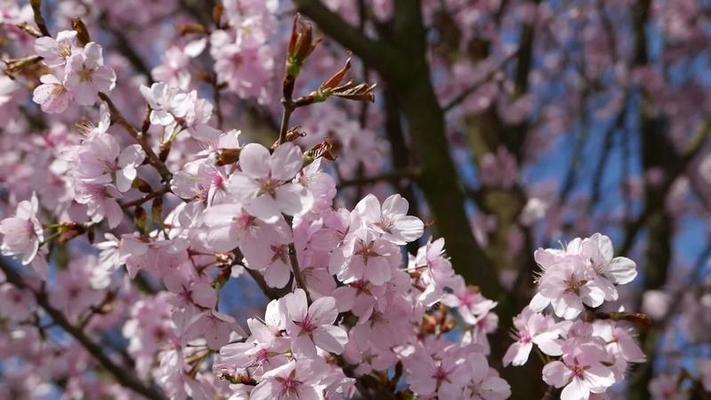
402,62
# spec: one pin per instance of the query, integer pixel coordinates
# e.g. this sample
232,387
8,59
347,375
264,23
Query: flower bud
157,210
141,219
217,14
82,33
291,135
194,28
142,185
68,231
326,149
301,45
227,156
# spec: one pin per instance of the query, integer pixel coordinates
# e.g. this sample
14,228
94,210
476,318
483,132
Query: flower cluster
356,305
171,256
378,314
586,352
243,60
77,73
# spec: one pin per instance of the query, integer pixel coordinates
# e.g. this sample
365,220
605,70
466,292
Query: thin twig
139,137
39,19
295,268
692,150
163,190
476,85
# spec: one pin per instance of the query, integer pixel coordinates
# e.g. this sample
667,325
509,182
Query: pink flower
580,371
55,52
666,387
73,293
16,304
231,226
499,169
598,249
217,328
568,285
367,357
99,162
292,381
8,91
435,367
188,292
52,95
166,103
359,297
312,326
246,70
391,219
155,256
87,75
264,185
366,257
620,341
101,202
264,246
468,300
321,185
173,68
656,303
485,383
433,271
532,328
200,181
23,233
265,349
272,258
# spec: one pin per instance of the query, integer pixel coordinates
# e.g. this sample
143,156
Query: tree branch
377,54
694,148
140,137
123,376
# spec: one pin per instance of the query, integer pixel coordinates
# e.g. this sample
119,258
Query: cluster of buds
301,45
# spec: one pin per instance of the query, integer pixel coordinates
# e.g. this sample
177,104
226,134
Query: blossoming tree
211,200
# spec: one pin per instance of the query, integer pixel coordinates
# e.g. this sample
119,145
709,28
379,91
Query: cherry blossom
166,103
56,52
349,206
52,95
293,380
263,185
87,75
16,305
533,328
665,387
23,233
391,219
99,162
580,373
313,325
